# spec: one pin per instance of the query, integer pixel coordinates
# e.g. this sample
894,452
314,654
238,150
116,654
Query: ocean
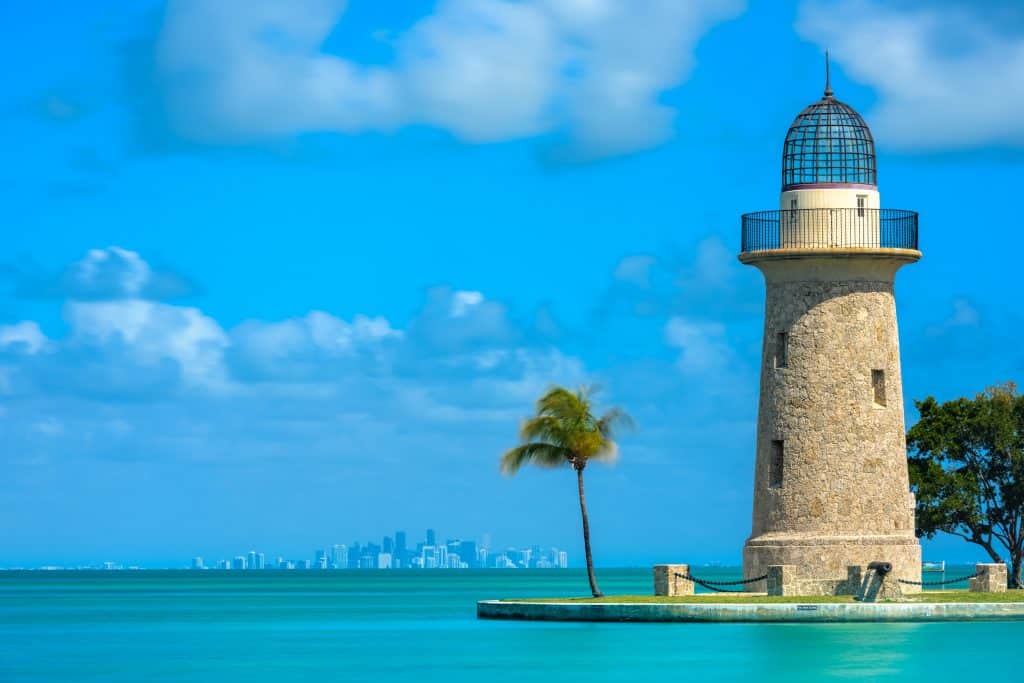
421,626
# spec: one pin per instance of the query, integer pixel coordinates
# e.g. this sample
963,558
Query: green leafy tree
566,433
967,471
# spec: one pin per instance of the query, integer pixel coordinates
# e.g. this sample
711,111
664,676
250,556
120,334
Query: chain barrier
945,581
716,586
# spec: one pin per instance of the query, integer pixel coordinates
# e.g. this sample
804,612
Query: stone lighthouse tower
831,488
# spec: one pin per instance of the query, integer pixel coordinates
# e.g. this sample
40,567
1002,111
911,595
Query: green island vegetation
967,472
960,596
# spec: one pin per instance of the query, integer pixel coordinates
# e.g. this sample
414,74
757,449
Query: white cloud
24,336
947,76
702,346
635,270
463,301
539,370
703,278
462,357
713,266
110,271
152,332
51,426
307,348
316,330
485,70
498,385
964,314
328,331
235,69
103,274
455,319
626,53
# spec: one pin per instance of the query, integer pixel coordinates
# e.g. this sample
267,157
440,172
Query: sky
279,275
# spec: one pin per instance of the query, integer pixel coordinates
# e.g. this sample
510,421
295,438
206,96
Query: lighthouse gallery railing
829,228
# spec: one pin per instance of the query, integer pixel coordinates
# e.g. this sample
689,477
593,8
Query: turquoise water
421,626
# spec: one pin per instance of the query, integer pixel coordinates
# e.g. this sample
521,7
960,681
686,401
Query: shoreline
750,611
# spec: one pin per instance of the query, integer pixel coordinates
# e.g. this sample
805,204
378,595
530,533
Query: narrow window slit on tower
862,200
775,465
781,350
878,386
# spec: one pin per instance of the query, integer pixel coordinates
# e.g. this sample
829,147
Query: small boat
933,566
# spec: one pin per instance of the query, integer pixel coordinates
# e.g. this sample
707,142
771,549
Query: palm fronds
565,431
542,454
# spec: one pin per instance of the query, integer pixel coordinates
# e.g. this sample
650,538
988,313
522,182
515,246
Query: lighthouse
831,488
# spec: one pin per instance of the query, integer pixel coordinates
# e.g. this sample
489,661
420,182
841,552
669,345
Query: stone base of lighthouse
822,562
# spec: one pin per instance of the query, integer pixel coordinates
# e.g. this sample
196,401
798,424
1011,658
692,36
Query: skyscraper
339,557
252,559
431,537
353,556
441,553
401,556
321,559
467,553
197,563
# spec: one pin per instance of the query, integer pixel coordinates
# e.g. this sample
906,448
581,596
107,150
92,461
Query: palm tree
565,432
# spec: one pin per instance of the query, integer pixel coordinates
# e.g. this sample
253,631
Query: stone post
782,579
668,581
993,580
878,586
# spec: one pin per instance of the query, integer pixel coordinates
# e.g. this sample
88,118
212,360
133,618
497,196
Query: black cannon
881,568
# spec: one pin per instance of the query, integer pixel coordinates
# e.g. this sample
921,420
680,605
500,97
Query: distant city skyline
392,552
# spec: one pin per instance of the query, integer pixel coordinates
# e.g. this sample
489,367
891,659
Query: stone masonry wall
844,494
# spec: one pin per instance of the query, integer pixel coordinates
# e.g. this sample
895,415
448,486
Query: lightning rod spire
828,77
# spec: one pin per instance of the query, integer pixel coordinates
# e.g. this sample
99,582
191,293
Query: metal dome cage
828,144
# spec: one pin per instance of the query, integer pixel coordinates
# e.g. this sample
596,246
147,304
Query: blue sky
279,275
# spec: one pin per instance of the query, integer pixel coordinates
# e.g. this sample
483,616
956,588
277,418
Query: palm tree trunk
586,536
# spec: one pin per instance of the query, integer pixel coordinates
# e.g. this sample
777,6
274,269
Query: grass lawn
719,598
